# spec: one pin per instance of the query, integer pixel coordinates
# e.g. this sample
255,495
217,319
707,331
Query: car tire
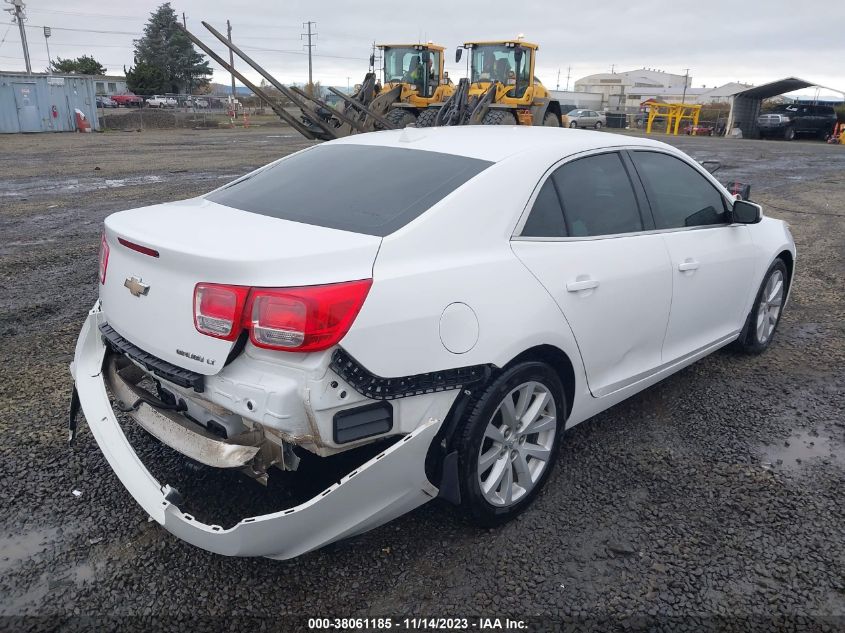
551,120
766,311
499,117
494,448
573,124
598,125
789,134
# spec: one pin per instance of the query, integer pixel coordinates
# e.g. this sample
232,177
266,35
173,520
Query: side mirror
458,53
745,212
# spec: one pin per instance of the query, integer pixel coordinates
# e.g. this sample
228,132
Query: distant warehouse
45,103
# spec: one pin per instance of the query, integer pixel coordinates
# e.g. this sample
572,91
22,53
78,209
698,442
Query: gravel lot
714,498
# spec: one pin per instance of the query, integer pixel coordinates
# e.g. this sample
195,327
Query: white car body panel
454,288
619,334
708,297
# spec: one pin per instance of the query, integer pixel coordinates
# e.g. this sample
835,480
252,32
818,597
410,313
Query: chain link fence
122,112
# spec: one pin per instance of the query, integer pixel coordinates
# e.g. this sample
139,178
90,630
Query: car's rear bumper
389,485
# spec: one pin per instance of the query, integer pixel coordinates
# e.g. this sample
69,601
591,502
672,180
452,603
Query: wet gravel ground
710,501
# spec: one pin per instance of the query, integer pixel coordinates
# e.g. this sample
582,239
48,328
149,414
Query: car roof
496,143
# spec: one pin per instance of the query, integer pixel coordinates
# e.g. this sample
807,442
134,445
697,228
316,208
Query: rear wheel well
557,360
789,262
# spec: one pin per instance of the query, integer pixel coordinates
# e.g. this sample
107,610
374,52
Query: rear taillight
305,319
218,310
104,258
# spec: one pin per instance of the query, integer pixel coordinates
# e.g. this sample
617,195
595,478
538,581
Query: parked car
160,101
702,129
510,284
789,121
105,102
128,100
196,102
584,118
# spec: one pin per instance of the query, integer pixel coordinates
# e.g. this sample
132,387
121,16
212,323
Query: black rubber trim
377,388
161,368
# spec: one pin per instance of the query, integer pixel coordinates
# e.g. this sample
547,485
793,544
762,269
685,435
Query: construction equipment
417,70
501,88
360,112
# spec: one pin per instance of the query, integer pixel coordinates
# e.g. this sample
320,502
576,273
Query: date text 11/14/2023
419,624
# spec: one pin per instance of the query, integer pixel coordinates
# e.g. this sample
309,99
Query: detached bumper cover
389,485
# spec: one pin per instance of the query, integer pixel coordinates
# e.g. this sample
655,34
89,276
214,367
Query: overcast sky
719,41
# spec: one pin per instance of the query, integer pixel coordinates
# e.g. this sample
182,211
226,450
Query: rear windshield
361,188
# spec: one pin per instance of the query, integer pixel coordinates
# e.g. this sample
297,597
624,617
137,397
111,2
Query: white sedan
464,295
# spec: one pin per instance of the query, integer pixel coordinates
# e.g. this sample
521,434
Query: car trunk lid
148,291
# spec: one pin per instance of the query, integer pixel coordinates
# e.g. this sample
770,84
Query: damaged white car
468,293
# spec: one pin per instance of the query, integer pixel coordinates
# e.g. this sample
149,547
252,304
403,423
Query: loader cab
418,67
510,63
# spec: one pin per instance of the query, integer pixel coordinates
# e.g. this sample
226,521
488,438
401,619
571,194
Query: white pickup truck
160,101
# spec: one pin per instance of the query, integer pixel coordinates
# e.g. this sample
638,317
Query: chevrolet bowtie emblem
136,286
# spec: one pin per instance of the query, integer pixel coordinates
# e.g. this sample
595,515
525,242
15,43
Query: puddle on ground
16,548
798,449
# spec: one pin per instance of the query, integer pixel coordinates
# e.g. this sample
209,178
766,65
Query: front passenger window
678,194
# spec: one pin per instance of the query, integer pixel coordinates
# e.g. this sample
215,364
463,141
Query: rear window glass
360,188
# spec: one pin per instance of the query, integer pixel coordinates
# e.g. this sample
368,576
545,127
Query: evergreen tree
83,65
165,48
146,79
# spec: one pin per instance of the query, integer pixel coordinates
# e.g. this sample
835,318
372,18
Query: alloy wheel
770,306
517,444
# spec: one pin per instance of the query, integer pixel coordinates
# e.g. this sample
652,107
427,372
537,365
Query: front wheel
427,116
789,134
499,117
551,120
598,125
400,118
508,443
573,124
766,311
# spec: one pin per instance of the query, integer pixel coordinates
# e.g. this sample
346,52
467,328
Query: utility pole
686,81
231,57
184,20
612,69
557,85
17,14
47,33
309,46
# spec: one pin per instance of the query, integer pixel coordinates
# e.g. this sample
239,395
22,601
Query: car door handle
688,264
582,284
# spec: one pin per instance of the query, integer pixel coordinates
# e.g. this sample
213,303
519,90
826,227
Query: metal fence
178,111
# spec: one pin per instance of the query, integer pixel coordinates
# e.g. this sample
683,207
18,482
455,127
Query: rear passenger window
546,217
678,194
597,197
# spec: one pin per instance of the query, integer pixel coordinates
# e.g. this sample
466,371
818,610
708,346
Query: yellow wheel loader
414,74
501,88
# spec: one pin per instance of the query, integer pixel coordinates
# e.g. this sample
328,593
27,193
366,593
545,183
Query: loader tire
551,120
427,116
499,117
400,118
